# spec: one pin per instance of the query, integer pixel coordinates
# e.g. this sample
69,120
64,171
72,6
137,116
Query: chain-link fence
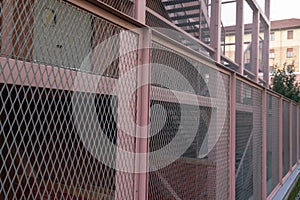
50,85
285,137
272,142
70,103
200,172
248,141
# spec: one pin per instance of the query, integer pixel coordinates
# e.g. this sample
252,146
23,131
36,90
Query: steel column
140,10
143,116
232,134
297,133
239,36
255,45
291,134
215,29
264,144
266,45
280,139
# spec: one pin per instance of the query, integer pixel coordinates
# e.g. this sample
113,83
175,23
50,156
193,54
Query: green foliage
295,190
284,82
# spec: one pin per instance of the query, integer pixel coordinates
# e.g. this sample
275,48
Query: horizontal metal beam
184,8
175,2
225,2
188,24
186,16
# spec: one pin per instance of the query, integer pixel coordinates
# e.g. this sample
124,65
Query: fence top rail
107,12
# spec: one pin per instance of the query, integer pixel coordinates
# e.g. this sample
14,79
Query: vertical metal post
239,36
140,10
215,29
267,8
266,55
143,104
255,45
143,117
291,135
232,134
266,44
280,139
264,144
297,133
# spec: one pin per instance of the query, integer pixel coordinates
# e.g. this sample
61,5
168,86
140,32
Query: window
289,68
289,52
290,35
272,53
272,36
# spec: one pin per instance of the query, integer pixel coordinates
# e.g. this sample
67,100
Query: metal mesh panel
294,135
285,137
125,6
169,31
186,15
272,142
49,146
248,142
189,177
299,133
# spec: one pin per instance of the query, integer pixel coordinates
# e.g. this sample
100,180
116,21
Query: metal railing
96,106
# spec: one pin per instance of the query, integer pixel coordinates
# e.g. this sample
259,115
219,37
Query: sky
285,9
280,9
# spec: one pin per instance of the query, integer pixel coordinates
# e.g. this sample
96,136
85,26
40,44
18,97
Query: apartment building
285,44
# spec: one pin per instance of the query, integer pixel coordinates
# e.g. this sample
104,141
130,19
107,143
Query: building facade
284,44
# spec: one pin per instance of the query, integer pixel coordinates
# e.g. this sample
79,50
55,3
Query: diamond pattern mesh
248,142
44,47
294,135
285,137
272,142
189,177
57,96
124,6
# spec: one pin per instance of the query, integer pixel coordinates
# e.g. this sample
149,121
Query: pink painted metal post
239,35
266,44
232,134
297,133
291,134
264,144
280,139
143,104
215,29
143,117
255,45
140,10
266,56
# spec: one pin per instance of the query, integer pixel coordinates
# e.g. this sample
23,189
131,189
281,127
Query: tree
284,82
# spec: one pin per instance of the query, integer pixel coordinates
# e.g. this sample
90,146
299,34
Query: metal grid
190,176
124,6
285,137
294,135
186,15
298,132
272,142
248,142
48,147
181,15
